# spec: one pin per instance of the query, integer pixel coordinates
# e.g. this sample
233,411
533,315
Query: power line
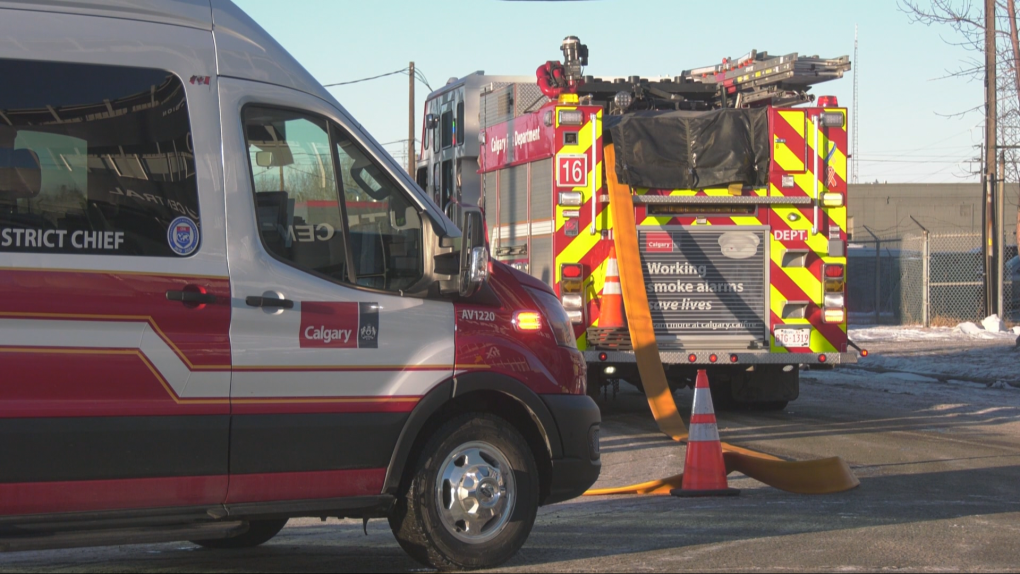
418,75
366,79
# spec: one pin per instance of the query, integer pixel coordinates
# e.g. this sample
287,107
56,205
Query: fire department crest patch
183,236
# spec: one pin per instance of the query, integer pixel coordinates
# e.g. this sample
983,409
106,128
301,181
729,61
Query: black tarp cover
691,150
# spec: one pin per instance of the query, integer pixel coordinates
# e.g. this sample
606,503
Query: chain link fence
935,279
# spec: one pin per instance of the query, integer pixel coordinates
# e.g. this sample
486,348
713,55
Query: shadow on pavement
595,528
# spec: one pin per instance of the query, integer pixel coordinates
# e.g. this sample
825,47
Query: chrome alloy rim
475,492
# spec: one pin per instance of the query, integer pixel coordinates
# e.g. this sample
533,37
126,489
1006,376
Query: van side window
385,227
447,127
296,195
447,184
96,160
460,123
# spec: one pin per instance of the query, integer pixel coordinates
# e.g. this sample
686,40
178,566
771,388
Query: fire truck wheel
769,406
259,532
471,499
722,395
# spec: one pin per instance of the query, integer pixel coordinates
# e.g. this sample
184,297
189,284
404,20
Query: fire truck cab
225,305
738,183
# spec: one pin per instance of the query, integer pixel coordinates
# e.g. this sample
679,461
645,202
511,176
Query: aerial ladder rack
753,80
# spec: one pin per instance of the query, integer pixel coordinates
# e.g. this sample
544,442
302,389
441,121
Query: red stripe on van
201,336
124,494
90,383
94,495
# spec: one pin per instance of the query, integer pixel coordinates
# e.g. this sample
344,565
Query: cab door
329,357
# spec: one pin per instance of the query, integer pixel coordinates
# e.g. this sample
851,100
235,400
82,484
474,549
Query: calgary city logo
368,333
347,325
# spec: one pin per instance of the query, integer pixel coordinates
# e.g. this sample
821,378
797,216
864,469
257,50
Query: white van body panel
416,336
190,13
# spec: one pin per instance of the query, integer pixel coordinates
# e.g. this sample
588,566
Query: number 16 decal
572,170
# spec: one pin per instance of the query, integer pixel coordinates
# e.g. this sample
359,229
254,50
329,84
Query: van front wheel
472,498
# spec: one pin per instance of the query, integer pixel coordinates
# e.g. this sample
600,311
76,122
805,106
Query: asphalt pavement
939,463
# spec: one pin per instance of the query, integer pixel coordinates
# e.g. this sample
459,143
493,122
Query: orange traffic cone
611,310
704,469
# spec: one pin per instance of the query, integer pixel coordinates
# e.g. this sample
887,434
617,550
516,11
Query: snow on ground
967,355
962,332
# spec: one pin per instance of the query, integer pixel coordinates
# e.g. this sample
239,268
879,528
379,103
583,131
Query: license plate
793,337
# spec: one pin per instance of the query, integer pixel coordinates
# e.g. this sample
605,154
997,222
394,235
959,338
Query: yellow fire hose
822,476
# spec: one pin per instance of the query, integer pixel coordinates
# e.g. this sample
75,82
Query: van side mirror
20,174
474,256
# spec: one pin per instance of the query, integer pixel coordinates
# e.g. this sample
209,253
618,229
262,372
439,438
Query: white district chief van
224,305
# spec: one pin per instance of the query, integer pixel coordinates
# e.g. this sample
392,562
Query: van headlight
556,316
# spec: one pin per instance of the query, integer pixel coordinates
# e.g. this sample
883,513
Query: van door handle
256,301
195,297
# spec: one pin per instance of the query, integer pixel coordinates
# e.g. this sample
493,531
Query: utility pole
988,175
410,120
1000,207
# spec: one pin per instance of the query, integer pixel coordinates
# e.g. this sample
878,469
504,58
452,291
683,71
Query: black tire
416,521
259,532
769,406
722,395
594,386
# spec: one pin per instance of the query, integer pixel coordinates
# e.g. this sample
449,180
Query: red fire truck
738,180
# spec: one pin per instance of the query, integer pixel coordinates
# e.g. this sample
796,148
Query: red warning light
821,358
713,358
603,356
733,359
692,357
864,352
834,271
571,271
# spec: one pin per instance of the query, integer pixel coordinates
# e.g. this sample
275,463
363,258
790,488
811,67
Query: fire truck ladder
754,79
757,76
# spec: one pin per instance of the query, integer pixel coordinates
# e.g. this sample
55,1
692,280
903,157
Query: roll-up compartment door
541,192
489,204
513,204
542,259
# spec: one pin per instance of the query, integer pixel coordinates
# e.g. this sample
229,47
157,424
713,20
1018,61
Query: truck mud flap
822,476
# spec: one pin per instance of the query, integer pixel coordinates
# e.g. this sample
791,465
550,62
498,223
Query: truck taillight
833,271
833,299
572,291
832,199
834,278
834,315
572,301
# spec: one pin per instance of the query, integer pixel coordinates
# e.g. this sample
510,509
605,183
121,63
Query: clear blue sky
902,137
